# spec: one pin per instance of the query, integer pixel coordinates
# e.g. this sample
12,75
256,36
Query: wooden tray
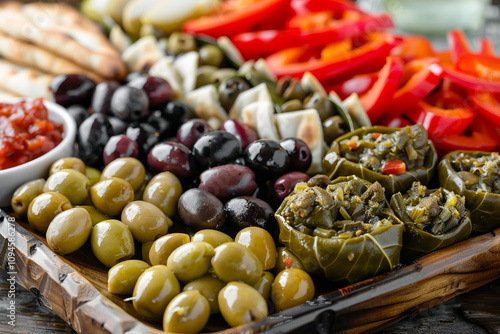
74,287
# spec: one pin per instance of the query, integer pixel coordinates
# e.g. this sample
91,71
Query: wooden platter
74,287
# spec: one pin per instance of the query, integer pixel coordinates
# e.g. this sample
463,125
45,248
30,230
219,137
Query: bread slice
24,81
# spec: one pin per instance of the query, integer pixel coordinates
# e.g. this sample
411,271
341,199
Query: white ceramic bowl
12,178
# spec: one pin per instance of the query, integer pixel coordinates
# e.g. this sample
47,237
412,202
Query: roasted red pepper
392,121
458,45
482,66
413,47
359,84
394,167
308,6
486,48
469,81
488,105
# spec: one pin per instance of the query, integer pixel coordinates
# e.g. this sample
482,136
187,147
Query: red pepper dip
25,132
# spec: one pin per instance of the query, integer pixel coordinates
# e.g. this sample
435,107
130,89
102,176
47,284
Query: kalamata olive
69,230
189,132
163,190
164,127
157,89
199,210
71,89
129,169
299,153
213,237
284,185
71,183
229,90
44,207
154,289
248,211
25,194
119,125
228,181
291,287
244,132
180,42
67,163
321,103
191,260
176,112
267,158
188,312
264,284
333,127
96,216
123,276
119,146
111,195
235,262
101,99
93,134
285,259
241,304
216,148
172,157
145,135
290,88
112,242
210,55
260,242
209,286
129,103
164,246
79,113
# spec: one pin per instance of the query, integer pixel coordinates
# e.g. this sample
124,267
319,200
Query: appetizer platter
199,167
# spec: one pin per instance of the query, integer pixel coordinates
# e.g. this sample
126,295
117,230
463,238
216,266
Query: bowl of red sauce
33,134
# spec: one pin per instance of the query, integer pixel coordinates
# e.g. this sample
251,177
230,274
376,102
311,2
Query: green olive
44,208
111,195
264,284
164,246
222,74
68,163
235,262
321,103
71,183
209,286
69,230
229,89
95,215
291,287
145,248
204,74
154,289
260,242
179,42
145,220
292,105
25,194
93,174
240,304
333,127
112,242
188,312
210,55
290,88
164,191
129,169
139,192
213,237
191,261
285,259
123,276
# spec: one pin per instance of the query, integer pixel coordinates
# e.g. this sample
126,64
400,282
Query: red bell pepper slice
234,17
458,44
392,121
413,47
488,105
443,114
378,98
394,167
480,136
309,6
486,48
420,77
335,62
359,84
483,66
469,81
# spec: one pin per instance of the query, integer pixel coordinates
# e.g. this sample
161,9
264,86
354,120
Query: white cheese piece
142,54
226,45
258,93
165,69
119,39
205,103
186,65
311,84
355,109
260,115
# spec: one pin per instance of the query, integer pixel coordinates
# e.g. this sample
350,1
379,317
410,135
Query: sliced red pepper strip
486,48
480,136
488,105
307,6
234,17
394,167
458,44
469,81
483,66
378,98
413,47
392,121
359,84
420,77
443,114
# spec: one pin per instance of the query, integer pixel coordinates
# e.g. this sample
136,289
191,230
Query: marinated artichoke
394,157
433,219
475,175
343,230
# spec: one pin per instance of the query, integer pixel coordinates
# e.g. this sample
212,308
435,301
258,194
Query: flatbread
5,95
24,81
62,30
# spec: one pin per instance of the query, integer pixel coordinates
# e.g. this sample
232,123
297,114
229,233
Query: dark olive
199,210
284,185
71,89
129,103
267,158
248,211
333,127
93,134
229,90
290,88
101,99
299,153
216,148
172,157
228,181
157,89
244,132
78,113
189,132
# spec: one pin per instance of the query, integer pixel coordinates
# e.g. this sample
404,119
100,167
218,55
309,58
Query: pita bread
260,116
142,54
205,103
5,94
24,81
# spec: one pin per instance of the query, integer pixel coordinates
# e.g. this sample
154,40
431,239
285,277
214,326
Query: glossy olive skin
67,163
191,260
112,242
180,42
291,287
267,158
229,90
146,221
189,132
25,194
228,181
248,211
210,55
93,174
129,169
213,237
71,183
93,134
235,262
261,243
145,248
123,276
209,286
285,184
154,289
164,190
298,152
216,148
69,230
44,208
333,127
264,284
172,157
200,209
240,304
286,260
164,246
111,195
95,215
188,312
